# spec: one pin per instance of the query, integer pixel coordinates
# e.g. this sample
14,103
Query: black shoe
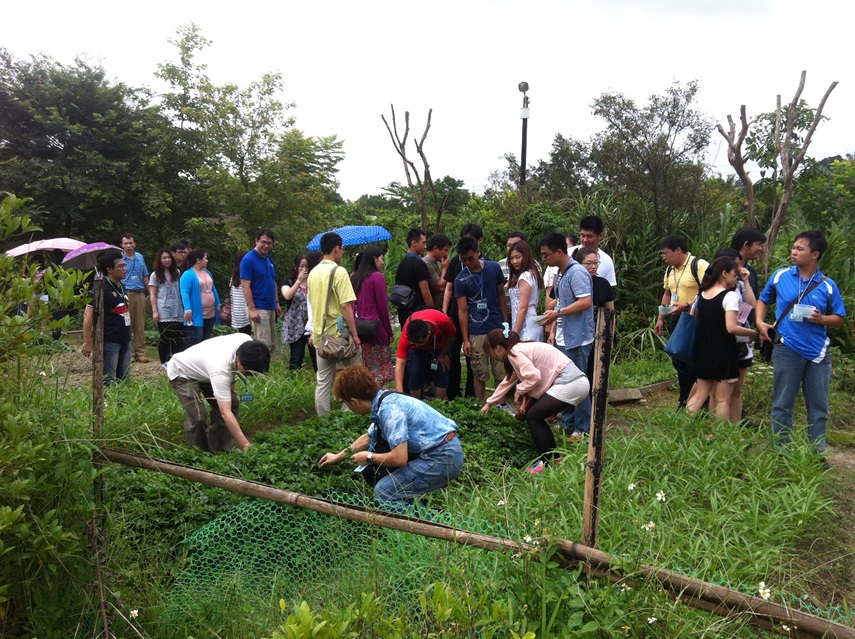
681,406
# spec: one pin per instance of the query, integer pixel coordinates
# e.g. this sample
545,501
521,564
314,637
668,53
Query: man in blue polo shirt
575,307
258,281
136,284
801,357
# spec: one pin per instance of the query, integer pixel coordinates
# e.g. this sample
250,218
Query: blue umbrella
352,235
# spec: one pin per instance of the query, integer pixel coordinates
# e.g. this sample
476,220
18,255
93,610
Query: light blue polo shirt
406,419
805,338
573,283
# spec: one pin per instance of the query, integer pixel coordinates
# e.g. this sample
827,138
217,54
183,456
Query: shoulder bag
337,347
768,346
402,296
683,341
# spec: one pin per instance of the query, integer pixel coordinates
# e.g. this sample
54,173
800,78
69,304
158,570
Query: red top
442,327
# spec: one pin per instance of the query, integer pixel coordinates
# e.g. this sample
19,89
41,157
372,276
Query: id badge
246,397
127,317
434,366
481,306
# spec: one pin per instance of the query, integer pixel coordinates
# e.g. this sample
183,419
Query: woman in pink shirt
547,382
372,304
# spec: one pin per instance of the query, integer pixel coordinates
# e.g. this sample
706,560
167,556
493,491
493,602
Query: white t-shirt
730,302
549,276
213,361
607,267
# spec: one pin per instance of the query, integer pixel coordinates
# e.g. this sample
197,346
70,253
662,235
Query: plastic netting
260,552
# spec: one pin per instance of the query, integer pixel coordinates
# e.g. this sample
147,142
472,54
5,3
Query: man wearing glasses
576,309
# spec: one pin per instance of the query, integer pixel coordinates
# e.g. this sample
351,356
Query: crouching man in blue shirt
425,452
801,357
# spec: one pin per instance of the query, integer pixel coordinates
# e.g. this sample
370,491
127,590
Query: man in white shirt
591,232
206,372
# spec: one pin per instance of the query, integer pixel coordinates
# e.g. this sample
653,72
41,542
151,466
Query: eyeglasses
543,256
589,263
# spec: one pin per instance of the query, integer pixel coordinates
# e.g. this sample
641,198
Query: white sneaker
576,436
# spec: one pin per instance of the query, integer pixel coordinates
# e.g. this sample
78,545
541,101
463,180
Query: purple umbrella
86,256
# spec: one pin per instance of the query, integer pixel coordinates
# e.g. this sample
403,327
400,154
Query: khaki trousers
326,377
136,299
193,397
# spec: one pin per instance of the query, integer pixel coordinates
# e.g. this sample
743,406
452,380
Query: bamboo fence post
603,345
693,592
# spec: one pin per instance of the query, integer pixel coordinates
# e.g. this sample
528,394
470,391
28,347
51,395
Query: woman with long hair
295,292
547,382
200,297
237,301
524,285
717,353
372,310
167,309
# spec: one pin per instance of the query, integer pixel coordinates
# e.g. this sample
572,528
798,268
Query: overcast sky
344,63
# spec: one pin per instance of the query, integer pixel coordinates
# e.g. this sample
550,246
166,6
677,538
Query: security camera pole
523,87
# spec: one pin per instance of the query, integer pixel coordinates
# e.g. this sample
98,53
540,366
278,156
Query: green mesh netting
260,552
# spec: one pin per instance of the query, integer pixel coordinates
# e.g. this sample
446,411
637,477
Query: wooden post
602,354
98,356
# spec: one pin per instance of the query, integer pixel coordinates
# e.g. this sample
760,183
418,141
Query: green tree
654,151
567,171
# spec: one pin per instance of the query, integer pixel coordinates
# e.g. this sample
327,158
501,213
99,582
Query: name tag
246,397
127,317
481,306
434,366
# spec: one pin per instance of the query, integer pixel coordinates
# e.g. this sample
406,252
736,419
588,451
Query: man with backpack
682,279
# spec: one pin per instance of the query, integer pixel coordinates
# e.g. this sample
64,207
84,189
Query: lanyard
120,290
481,281
802,293
686,265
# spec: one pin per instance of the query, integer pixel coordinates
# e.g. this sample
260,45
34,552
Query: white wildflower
135,613
528,539
660,496
631,487
651,620
765,593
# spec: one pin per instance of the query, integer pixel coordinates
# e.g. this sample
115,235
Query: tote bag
681,345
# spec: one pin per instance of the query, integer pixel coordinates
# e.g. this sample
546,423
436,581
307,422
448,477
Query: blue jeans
792,371
117,361
419,370
197,334
431,470
579,418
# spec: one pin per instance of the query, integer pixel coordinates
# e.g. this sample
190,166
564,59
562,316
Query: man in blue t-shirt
801,357
136,284
258,281
481,307
575,307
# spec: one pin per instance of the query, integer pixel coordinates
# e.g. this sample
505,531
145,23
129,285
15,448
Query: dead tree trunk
737,160
789,164
421,186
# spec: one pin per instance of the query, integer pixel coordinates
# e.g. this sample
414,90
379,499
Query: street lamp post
523,87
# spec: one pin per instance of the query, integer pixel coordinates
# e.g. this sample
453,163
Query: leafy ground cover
732,510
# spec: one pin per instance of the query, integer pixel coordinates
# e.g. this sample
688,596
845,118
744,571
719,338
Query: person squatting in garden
423,353
801,357
117,320
424,450
206,372
547,382
717,351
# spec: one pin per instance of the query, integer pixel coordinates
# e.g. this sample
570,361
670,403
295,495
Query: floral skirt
378,359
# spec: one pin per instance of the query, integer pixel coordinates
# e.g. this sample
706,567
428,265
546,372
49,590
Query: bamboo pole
603,343
693,592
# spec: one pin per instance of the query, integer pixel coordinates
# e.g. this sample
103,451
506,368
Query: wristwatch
370,457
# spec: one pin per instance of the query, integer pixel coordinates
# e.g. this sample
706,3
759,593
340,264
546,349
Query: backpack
693,267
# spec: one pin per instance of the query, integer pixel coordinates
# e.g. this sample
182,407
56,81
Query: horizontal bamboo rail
693,592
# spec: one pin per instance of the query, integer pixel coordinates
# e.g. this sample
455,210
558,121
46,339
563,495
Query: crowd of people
471,306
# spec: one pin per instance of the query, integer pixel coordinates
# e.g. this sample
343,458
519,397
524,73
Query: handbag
683,341
366,329
335,347
402,296
768,346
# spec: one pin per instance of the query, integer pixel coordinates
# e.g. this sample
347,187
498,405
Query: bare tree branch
737,160
424,184
788,166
